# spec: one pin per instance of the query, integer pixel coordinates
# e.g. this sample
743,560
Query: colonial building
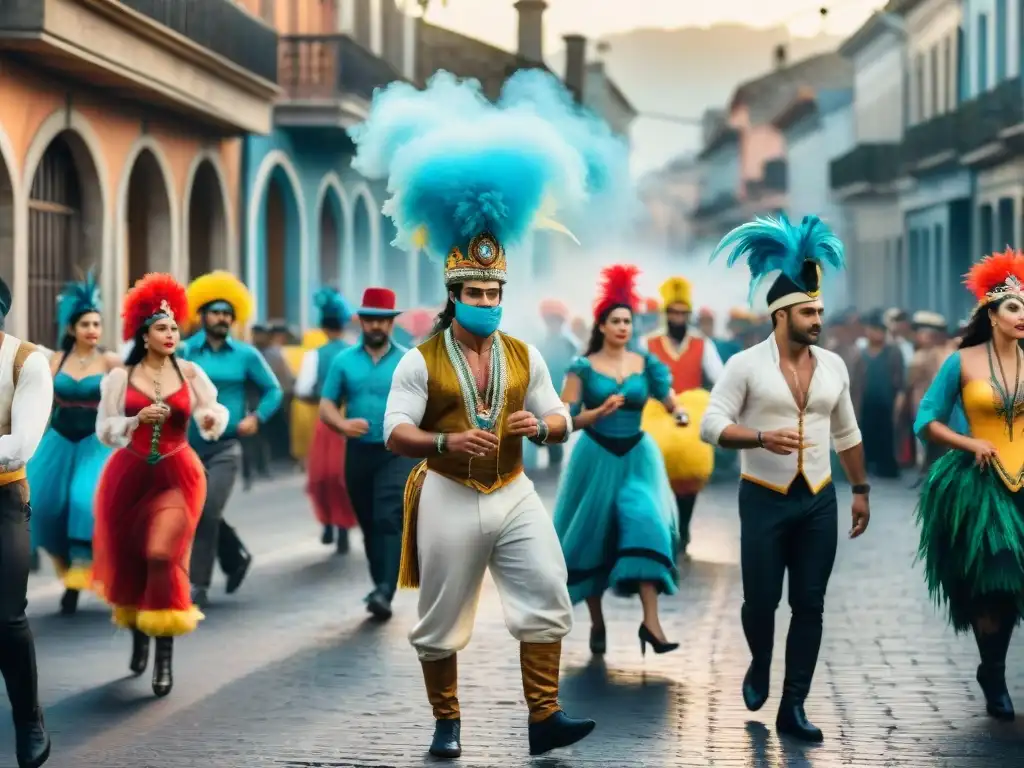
119,143
670,195
718,207
866,177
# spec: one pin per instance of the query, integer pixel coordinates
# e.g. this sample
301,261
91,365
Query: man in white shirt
779,403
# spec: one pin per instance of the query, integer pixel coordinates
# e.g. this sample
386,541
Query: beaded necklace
154,443
482,413
1008,408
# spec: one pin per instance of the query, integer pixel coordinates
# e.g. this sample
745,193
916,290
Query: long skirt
303,418
972,537
616,518
63,476
146,517
325,479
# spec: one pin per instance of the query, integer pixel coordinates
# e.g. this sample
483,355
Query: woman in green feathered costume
971,510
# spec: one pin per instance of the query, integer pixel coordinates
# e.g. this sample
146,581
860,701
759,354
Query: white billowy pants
460,533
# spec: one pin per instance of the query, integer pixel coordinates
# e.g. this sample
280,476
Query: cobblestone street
289,673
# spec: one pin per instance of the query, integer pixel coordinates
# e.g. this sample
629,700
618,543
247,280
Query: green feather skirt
972,537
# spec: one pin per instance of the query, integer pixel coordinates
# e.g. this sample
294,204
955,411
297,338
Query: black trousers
685,503
879,433
17,647
376,485
796,532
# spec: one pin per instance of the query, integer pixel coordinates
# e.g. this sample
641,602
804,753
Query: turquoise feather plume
773,244
77,299
332,304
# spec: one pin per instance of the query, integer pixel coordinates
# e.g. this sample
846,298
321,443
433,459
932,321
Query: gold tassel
409,565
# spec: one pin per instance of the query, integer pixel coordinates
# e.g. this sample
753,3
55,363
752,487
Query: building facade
120,149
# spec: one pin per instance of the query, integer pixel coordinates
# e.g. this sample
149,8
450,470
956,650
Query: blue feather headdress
332,305
75,300
774,245
468,179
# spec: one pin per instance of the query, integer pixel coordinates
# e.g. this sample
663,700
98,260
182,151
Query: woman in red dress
152,490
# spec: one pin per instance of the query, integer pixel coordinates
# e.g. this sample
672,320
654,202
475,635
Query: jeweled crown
484,259
1011,285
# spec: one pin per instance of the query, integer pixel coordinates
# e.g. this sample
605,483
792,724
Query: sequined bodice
174,431
75,402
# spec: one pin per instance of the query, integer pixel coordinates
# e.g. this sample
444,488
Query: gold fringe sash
409,566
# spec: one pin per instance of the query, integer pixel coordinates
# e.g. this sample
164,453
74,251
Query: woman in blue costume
616,514
66,467
971,511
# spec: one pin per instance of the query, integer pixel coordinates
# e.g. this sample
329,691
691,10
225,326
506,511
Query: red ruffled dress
325,479
148,505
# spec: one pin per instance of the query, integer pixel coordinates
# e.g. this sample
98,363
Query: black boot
163,677
756,685
327,537
32,742
69,602
759,629
447,741
992,647
792,721
557,731
140,652
342,545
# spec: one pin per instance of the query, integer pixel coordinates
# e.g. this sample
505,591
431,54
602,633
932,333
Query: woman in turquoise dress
66,467
615,514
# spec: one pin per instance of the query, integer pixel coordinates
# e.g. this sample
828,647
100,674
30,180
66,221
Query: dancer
152,490
971,510
615,514
325,470
64,470
780,402
465,190
28,388
358,383
694,362
221,300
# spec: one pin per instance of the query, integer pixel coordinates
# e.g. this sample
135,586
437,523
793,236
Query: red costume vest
686,364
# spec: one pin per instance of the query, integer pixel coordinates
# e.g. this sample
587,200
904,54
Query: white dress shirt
25,409
407,401
753,392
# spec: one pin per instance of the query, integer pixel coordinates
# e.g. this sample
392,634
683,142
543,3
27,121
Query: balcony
208,59
865,170
991,126
328,81
932,144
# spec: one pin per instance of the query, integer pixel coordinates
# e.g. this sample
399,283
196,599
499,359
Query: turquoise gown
615,513
63,475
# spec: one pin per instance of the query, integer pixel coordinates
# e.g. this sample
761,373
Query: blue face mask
480,321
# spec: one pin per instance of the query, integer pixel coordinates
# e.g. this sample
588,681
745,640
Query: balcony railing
323,67
871,164
981,120
220,26
931,139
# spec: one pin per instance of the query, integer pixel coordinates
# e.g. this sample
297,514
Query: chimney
531,29
575,64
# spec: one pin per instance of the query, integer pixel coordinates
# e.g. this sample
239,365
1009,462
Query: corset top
75,402
174,430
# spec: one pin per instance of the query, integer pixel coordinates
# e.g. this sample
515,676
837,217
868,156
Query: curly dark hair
596,335
979,329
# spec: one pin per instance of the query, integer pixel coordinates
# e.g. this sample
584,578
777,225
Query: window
962,76
933,75
1000,32
919,88
948,94
982,84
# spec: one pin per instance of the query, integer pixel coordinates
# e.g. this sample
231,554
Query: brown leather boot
550,728
442,681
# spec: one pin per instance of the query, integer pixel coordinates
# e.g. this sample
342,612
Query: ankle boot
140,652
992,679
550,728
163,677
69,602
441,678
32,742
792,721
757,684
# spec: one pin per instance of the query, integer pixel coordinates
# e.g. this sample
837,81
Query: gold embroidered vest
446,412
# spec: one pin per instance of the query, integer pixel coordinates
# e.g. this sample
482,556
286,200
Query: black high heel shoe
647,637
140,652
598,641
163,677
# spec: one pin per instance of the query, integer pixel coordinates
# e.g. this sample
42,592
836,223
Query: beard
677,331
808,337
218,330
375,339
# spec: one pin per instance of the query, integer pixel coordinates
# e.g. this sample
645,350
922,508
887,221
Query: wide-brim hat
220,291
378,302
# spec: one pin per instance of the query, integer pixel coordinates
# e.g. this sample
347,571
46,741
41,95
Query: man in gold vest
463,401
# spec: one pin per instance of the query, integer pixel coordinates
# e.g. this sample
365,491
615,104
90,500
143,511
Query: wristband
441,442
861,489
543,431
760,440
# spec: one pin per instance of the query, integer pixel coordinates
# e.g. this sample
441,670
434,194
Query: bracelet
760,440
543,431
441,442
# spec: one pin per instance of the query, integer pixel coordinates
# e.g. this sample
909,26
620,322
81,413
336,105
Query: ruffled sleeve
580,368
659,377
113,428
206,405
939,402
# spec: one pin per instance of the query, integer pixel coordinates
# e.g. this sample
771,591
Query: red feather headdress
151,295
996,276
618,286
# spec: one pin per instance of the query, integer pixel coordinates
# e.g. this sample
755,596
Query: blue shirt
363,386
232,368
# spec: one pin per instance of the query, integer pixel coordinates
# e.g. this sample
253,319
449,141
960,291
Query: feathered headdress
220,287
77,299
153,297
618,287
997,276
773,244
332,305
468,179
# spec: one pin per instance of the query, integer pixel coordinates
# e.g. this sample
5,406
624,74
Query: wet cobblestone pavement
289,672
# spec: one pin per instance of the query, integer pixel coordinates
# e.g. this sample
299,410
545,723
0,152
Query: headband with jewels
996,277
154,297
470,192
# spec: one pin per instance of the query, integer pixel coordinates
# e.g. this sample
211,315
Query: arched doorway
207,223
65,228
394,263
148,218
362,245
281,256
331,237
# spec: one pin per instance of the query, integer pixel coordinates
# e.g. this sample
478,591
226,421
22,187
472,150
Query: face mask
480,321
